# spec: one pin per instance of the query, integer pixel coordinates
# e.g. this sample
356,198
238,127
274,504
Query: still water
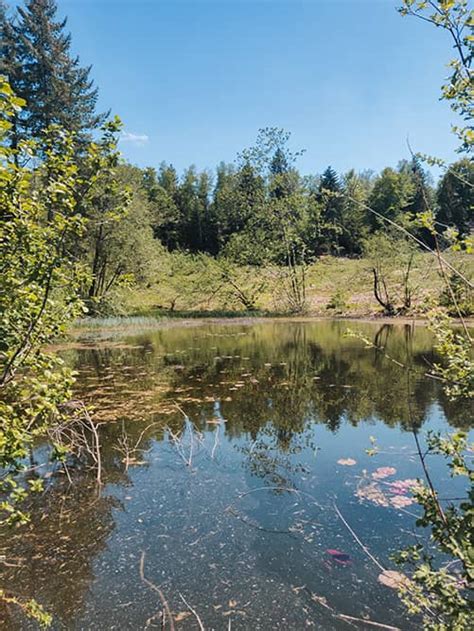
232,455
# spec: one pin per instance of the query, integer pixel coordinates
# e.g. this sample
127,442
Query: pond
236,478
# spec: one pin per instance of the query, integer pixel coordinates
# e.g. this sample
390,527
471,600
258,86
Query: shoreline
124,323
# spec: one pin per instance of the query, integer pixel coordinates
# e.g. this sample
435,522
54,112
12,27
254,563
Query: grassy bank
334,287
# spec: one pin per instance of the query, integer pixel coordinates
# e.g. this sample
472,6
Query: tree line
224,212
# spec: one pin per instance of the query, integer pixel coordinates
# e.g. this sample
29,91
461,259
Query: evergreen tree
456,197
190,229
209,228
331,209
330,184
354,226
42,71
250,188
283,180
9,61
223,202
422,196
164,215
168,179
8,44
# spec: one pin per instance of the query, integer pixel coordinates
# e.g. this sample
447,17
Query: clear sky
193,81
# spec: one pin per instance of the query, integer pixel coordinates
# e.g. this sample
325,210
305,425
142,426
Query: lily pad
383,472
347,462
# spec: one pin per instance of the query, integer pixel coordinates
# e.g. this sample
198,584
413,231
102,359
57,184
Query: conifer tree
332,208
8,45
43,72
330,184
456,197
9,62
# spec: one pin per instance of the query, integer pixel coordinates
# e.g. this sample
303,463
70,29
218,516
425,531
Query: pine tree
250,187
57,90
163,210
190,228
8,45
456,197
279,163
332,208
209,236
422,197
282,183
9,63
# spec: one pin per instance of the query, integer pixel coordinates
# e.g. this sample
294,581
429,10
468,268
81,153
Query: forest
93,246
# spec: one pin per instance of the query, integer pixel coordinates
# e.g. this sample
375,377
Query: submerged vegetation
84,233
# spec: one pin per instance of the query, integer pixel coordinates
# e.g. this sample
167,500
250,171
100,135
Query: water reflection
245,495
282,373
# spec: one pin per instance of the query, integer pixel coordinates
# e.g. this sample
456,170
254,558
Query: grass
117,322
335,287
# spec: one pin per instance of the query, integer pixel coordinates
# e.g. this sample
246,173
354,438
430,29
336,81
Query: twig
193,611
157,590
191,448
233,512
216,440
364,547
369,622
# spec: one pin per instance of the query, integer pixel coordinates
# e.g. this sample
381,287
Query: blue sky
193,81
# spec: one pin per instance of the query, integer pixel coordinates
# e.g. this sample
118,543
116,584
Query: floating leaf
339,557
401,487
383,472
182,615
400,501
347,462
392,579
372,493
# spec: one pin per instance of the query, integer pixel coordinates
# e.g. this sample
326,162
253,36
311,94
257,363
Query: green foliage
390,197
338,301
241,287
271,154
30,608
455,349
441,593
391,260
118,247
187,280
457,19
44,215
457,297
39,294
48,195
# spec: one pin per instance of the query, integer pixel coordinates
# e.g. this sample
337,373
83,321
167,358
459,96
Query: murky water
232,455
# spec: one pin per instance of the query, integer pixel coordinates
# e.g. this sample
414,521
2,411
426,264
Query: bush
338,301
